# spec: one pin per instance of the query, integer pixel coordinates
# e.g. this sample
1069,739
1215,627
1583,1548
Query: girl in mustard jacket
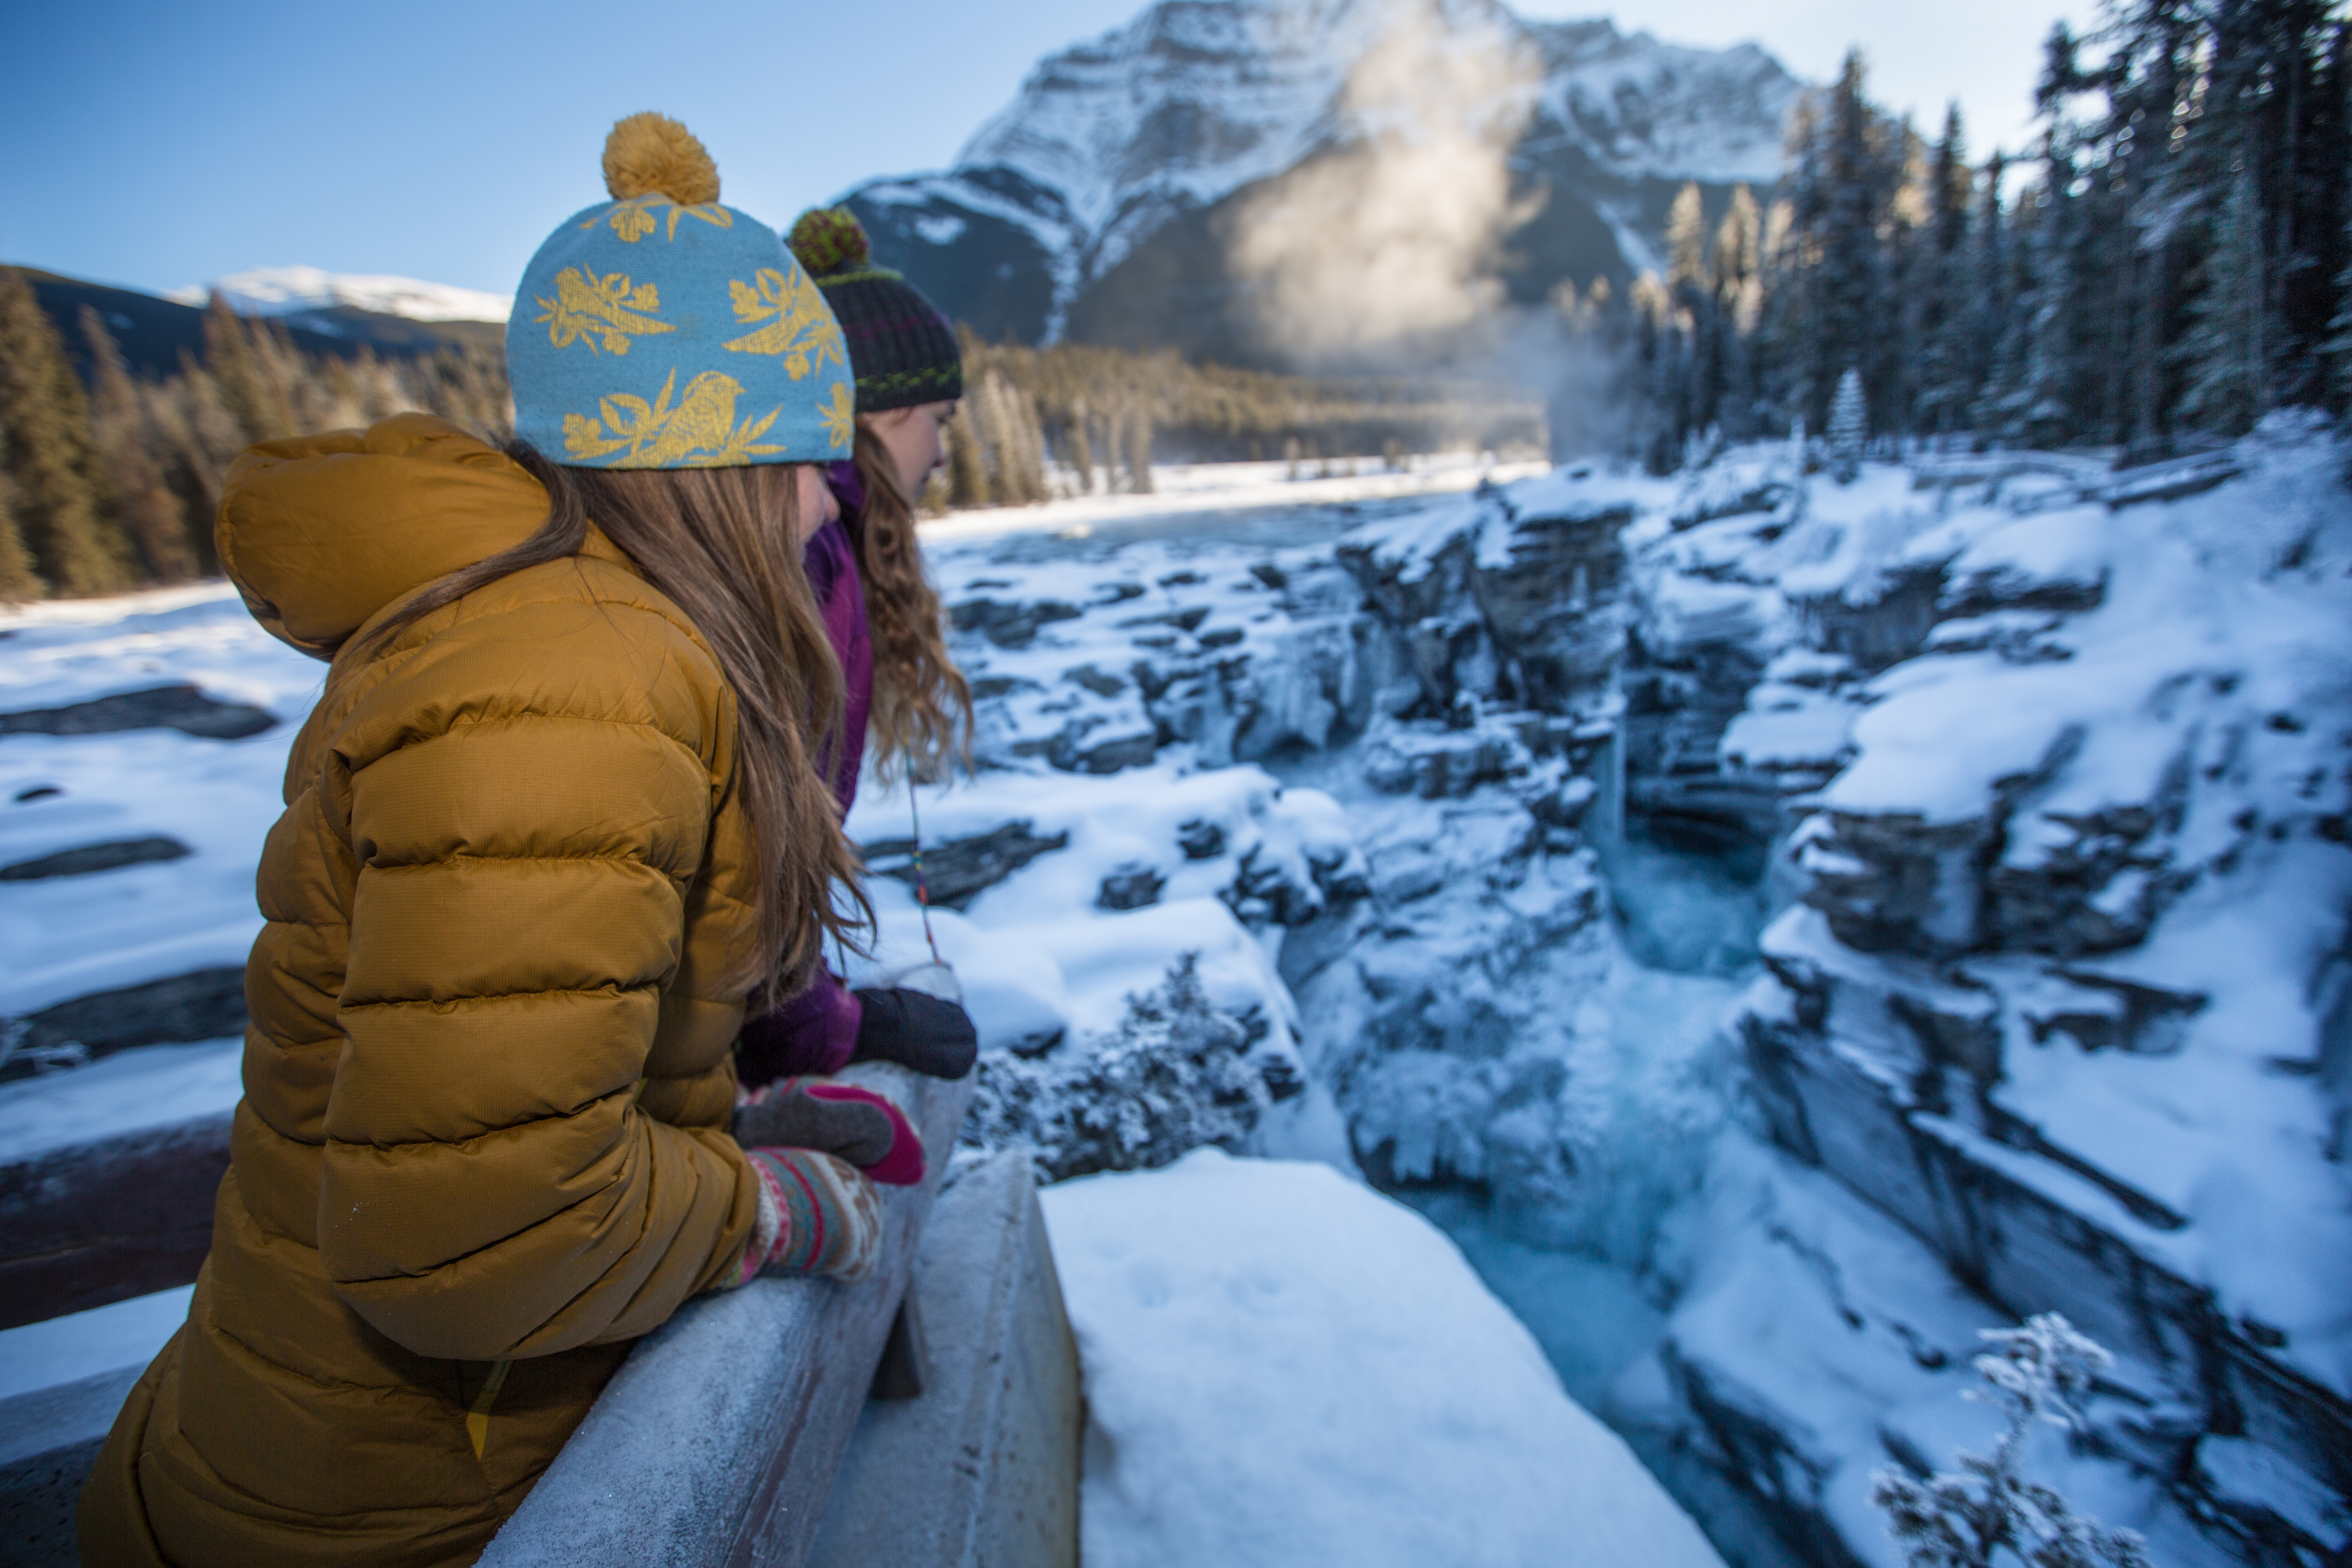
556,820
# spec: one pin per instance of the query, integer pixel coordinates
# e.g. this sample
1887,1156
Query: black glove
915,1030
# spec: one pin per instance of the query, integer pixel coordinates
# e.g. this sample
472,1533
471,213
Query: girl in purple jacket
901,692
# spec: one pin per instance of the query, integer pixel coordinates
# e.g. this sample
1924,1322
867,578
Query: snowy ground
70,936
86,1345
1197,488
1232,923
1041,955
1284,1367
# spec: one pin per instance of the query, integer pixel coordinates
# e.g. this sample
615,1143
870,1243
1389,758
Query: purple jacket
817,1030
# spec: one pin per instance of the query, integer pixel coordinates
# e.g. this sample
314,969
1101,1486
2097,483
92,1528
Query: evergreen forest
2171,262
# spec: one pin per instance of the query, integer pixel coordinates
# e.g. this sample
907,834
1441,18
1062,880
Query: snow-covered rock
121,1337
78,937
1284,1367
2072,886
1510,595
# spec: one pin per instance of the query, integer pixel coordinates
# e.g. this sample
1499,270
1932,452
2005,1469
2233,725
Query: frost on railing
718,1440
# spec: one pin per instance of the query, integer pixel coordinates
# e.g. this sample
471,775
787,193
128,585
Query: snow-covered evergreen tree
1737,264
1991,1514
1851,162
59,482
1849,430
2227,352
1940,305
1999,332
17,579
148,515
2339,346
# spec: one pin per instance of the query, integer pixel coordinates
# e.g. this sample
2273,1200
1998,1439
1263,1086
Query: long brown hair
720,543
915,682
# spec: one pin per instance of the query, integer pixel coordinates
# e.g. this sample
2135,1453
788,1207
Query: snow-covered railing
718,1440
2079,480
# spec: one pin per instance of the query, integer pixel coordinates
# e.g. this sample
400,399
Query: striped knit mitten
817,1215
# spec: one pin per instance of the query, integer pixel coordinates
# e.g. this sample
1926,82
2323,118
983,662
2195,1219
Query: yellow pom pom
652,154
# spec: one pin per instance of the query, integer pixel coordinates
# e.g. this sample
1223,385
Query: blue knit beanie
663,331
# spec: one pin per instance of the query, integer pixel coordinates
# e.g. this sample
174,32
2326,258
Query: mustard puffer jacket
482,1145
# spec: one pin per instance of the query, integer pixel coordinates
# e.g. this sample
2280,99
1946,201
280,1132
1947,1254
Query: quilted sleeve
530,798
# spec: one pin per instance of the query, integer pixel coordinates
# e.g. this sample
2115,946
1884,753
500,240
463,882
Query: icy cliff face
2047,768
2057,767
1110,141
1438,690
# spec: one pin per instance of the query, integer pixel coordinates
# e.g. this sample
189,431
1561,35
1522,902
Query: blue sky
154,144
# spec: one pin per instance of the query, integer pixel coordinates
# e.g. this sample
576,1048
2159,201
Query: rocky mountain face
1120,197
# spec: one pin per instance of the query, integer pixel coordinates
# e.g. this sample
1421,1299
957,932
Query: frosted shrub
1177,1073
1990,1515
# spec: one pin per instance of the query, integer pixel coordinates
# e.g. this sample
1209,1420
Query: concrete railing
742,1432
718,1440
982,1470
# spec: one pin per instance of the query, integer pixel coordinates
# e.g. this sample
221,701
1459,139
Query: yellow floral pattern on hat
699,432
800,329
593,310
840,416
634,219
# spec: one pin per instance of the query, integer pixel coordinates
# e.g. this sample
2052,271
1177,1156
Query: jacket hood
320,532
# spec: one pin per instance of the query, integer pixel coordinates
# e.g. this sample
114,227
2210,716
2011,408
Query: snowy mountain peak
1118,155
294,291
1198,97
1666,111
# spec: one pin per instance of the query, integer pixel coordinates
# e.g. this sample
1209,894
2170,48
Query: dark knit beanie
901,350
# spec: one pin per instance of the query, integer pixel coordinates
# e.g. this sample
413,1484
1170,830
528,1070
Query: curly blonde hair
922,717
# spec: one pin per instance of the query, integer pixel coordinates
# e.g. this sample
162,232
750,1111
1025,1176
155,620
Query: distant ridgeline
152,332
1109,413
121,412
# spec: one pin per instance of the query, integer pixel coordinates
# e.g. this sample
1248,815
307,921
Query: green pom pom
829,240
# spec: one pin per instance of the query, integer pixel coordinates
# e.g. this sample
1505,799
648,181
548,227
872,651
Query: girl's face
914,438
816,506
